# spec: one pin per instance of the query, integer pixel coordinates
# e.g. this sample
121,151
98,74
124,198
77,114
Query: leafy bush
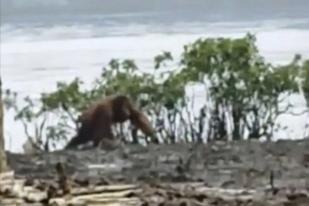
242,93
243,90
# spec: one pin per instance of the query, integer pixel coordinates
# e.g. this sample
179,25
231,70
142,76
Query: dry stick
271,182
271,179
64,183
105,189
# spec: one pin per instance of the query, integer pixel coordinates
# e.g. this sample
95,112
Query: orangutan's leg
102,129
83,136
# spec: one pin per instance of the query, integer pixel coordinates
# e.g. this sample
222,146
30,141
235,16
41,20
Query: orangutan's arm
140,121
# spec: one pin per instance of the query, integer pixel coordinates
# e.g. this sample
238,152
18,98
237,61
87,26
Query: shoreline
216,163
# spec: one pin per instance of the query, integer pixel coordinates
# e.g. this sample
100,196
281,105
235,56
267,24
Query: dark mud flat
235,173
227,165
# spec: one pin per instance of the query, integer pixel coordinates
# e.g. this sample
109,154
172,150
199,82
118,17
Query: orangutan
97,120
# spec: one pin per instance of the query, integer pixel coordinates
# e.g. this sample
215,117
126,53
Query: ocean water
38,49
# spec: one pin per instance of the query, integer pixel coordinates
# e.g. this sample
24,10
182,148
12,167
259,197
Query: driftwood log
14,192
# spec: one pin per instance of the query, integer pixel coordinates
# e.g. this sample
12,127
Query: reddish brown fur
97,120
